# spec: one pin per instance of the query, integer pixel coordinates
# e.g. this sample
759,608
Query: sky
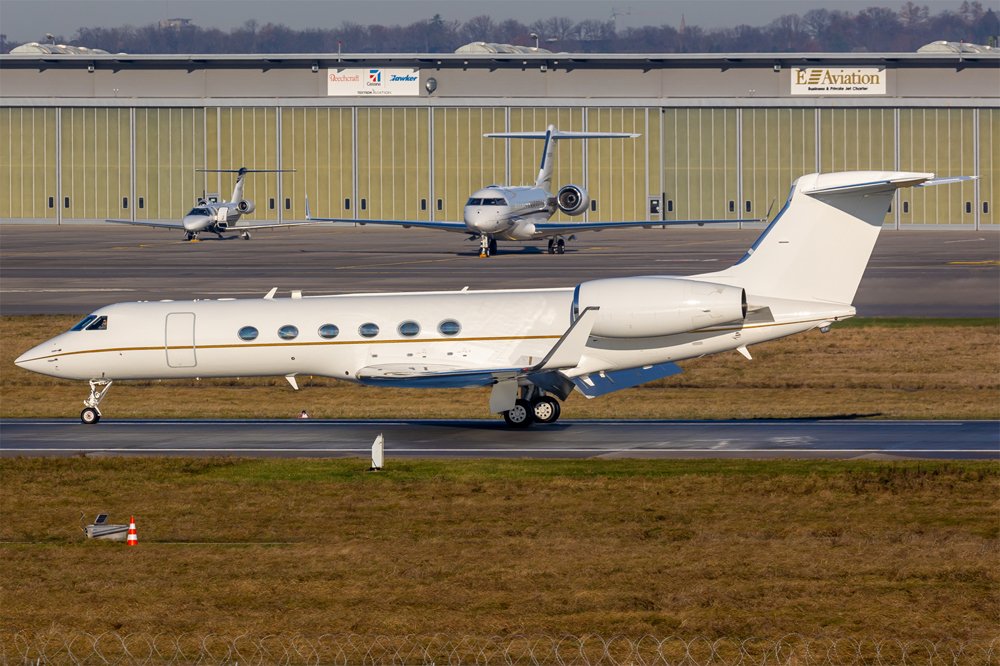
28,20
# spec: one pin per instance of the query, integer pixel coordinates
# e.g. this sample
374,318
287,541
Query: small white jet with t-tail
521,213
533,347
217,217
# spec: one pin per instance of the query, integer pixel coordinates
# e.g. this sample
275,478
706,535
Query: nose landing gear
98,389
487,246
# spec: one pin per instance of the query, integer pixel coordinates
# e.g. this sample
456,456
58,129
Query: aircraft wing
566,353
559,228
247,227
150,223
458,227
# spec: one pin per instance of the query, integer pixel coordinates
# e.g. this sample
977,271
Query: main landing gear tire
545,409
520,416
89,416
560,246
245,235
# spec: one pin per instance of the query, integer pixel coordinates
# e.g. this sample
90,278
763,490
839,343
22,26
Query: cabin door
179,342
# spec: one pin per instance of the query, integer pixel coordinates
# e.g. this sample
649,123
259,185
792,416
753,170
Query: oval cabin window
449,327
248,333
409,328
328,331
288,332
368,330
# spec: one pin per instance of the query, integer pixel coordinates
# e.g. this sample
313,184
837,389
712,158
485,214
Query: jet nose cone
195,222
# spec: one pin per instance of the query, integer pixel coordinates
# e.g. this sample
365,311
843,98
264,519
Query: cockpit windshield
199,211
82,324
486,202
91,323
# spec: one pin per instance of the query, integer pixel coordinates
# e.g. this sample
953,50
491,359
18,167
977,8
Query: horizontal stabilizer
601,383
558,134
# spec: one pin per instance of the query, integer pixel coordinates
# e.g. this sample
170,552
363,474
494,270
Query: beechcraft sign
838,80
370,81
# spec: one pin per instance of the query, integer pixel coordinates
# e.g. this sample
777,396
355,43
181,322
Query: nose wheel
487,246
98,389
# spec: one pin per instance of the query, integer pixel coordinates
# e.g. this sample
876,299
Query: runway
75,269
490,439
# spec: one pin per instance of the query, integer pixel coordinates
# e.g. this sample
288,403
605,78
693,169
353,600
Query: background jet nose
195,222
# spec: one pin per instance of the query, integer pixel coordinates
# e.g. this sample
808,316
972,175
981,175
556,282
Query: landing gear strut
487,246
245,235
98,389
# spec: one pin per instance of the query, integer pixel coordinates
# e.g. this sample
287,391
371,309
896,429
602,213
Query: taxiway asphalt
491,439
74,269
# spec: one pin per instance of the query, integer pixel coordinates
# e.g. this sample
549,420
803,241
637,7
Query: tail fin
238,189
818,246
551,135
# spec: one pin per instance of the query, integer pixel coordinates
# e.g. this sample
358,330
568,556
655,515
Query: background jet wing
557,228
149,223
246,227
458,227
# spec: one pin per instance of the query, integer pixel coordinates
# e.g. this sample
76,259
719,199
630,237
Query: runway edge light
378,453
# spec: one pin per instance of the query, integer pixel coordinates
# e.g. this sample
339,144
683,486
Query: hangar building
94,136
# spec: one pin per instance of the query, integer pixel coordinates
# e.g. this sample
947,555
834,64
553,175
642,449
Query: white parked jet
220,216
530,345
520,213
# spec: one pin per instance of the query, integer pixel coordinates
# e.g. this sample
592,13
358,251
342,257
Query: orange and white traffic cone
133,538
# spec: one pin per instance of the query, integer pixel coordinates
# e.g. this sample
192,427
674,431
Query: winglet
567,352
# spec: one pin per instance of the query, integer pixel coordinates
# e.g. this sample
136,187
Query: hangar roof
494,60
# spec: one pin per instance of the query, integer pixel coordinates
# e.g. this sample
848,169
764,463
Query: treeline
876,29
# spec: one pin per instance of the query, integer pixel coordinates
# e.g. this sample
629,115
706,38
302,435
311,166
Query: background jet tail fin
551,135
818,246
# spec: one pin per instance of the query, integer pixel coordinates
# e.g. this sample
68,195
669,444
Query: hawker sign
838,80
372,81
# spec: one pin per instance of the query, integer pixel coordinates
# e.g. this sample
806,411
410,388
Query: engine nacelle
572,199
245,207
645,307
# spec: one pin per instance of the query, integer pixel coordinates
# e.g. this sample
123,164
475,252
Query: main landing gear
98,389
557,246
487,246
190,235
533,407
245,235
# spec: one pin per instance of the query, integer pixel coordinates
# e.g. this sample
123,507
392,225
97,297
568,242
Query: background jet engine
644,307
572,199
245,206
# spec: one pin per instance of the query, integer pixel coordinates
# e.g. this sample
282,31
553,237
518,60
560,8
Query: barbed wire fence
56,646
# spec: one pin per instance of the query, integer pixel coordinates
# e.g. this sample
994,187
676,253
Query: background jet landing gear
557,246
533,407
98,389
245,235
487,246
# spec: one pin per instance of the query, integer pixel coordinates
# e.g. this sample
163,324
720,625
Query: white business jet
520,213
532,346
218,216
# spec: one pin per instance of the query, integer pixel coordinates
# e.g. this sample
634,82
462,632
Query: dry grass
710,548
891,369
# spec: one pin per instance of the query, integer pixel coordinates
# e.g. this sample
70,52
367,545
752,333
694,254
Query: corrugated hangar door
179,342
